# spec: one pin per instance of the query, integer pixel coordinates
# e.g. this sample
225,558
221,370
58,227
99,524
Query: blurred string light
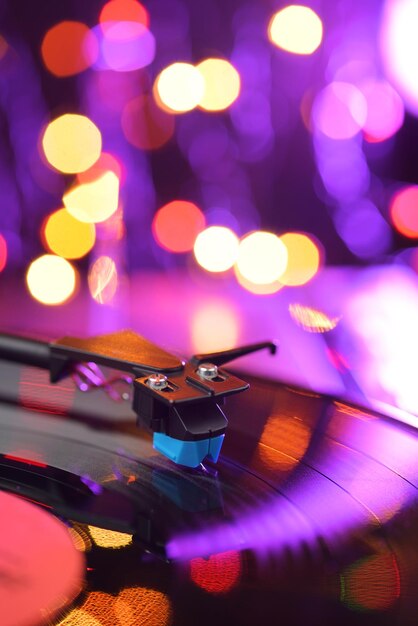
177,224
340,110
222,84
123,11
3,253
51,279
216,249
72,143
67,236
385,110
145,125
404,211
297,29
179,88
103,280
303,261
399,48
262,258
69,48
95,201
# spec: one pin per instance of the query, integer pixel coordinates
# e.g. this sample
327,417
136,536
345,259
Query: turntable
308,516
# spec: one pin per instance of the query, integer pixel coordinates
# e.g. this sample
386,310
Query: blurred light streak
303,259
363,229
399,48
94,202
103,280
215,325
51,279
312,320
222,84
123,11
262,257
404,211
69,48
145,125
297,29
72,143
3,253
385,110
216,249
219,573
339,110
179,88
109,538
68,237
36,392
176,225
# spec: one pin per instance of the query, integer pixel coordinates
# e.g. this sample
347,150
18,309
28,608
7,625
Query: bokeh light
363,229
94,202
68,237
218,574
3,253
69,48
399,48
103,280
385,110
216,249
179,88
303,261
222,84
283,442
177,224
145,125
404,211
371,584
51,279
215,325
72,143
125,46
109,538
262,258
123,11
258,289
105,163
339,110
296,29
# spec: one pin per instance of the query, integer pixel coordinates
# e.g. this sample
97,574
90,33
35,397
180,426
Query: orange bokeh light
145,125
177,224
404,211
123,11
218,574
303,260
3,253
69,48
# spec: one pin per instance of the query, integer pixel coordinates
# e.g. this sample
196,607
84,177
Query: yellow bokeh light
215,326
51,279
266,289
72,143
179,87
68,237
312,320
262,258
222,84
216,249
94,202
296,29
303,259
103,280
109,538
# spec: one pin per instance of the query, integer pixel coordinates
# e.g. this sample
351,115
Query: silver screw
207,371
157,381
